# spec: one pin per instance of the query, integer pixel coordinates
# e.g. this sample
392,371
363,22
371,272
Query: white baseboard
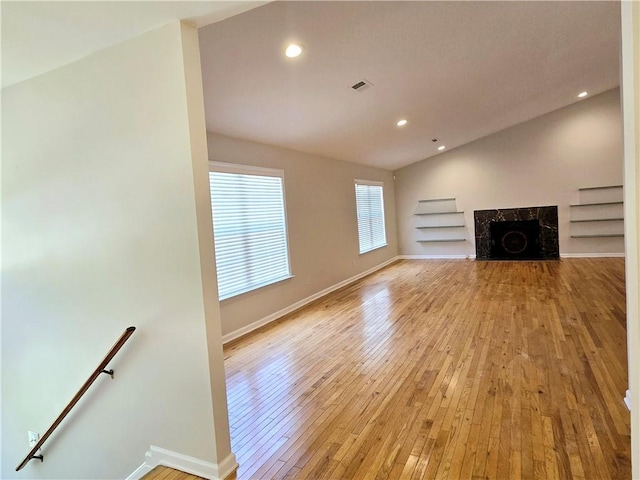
227,466
562,255
435,257
161,456
627,400
592,255
305,301
140,472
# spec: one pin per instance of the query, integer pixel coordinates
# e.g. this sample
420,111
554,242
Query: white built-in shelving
439,221
600,213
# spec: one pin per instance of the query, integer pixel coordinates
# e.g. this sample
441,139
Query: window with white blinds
249,227
370,206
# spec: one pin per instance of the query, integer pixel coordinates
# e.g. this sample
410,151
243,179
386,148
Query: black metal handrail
96,373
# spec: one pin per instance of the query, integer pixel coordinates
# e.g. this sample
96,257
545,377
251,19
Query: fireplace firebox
517,233
519,239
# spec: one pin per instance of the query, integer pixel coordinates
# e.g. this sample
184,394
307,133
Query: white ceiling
40,36
457,71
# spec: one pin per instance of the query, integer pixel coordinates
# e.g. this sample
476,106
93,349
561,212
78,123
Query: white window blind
370,206
249,227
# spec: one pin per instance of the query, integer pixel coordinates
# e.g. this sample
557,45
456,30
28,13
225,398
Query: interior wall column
225,459
630,56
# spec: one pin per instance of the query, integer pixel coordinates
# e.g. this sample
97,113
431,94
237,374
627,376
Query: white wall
540,162
321,216
100,231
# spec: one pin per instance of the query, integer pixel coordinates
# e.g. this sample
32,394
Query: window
370,206
249,227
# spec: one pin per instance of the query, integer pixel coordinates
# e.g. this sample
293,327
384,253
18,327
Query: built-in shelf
441,226
599,188
443,216
603,216
438,213
596,204
599,235
598,220
435,240
436,200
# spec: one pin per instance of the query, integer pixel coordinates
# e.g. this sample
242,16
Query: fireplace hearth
517,233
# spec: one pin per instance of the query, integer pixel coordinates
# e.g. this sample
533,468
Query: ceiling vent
362,85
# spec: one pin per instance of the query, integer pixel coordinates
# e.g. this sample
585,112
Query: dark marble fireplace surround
546,216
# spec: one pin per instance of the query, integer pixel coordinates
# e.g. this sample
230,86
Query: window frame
370,183
241,169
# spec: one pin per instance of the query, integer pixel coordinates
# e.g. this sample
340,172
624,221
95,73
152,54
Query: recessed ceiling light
441,147
401,123
293,50
583,94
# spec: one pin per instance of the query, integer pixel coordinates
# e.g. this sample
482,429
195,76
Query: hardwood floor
441,369
165,473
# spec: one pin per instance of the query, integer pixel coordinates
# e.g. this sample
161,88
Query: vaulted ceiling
457,71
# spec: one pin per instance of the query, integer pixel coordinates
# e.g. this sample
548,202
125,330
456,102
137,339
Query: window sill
374,248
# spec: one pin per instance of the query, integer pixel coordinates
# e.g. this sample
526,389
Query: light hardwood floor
441,369
165,473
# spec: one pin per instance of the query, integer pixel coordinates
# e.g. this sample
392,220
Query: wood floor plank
165,473
452,369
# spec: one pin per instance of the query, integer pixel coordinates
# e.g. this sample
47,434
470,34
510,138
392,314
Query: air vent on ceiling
362,85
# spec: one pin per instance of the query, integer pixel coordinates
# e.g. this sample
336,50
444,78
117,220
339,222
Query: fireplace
517,233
